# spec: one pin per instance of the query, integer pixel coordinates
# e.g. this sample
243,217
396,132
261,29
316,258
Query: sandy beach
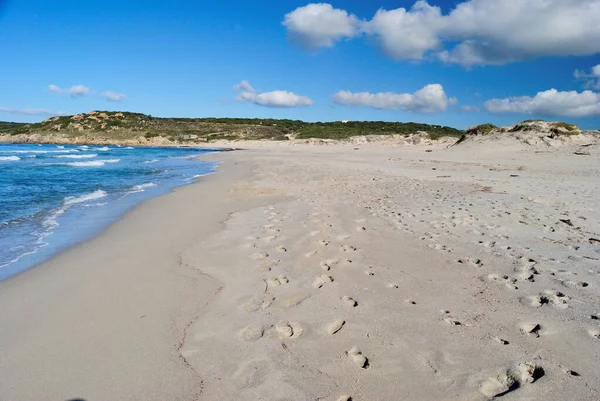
341,272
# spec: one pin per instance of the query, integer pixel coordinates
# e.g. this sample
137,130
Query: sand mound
535,133
418,138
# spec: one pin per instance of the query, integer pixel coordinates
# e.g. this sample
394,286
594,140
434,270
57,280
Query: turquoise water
52,197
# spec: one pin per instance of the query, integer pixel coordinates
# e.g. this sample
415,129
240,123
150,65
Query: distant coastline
135,129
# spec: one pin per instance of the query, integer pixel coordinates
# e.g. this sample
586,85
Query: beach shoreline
324,272
70,338
38,224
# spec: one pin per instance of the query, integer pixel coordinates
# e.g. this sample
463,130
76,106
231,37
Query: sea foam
142,187
9,158
93,163
88,156
43,151
73,200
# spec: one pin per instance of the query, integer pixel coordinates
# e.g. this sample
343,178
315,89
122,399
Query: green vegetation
339,130
13,128
115,126
482,129
571,128
556,128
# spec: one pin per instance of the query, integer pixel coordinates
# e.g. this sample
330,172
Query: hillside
140,129
7,127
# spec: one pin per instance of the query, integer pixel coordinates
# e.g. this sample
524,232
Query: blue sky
328,62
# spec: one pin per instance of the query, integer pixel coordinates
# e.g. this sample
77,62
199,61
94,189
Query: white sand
381,273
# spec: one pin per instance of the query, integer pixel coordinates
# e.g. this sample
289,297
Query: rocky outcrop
57,138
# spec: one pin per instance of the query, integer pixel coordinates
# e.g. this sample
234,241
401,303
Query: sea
53,197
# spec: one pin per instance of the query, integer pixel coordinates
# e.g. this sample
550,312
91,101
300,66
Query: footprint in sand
487,244
255,304
260,256
448,318
281,249
527,273
568,371
556,298
336,326
349,301
498,385
358,357
325,265
323,242
595,333
268,266
471,261
322,280
277,281
452,321
285,329
511,379
344,398
500,340
270,238
348,248
509,282
532,329
253,332
440,247
574,284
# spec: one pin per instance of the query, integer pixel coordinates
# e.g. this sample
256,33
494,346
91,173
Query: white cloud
78,90
113,96
475,32
407,34
277,98
74,91
54,88
430,99
591,79
549,103
470,109
244,86
319,25
31,111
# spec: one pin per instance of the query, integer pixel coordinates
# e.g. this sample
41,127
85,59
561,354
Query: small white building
345,121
